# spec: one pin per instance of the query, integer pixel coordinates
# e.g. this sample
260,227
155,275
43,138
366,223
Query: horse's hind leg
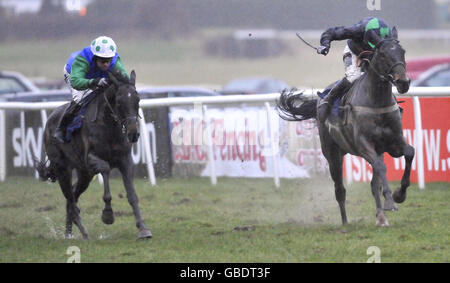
335,164
83,182
334,157
72,211
84,179
65,183
400,193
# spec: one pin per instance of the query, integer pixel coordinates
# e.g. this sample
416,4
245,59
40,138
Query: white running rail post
274,147
210,145
148,152
419,137
2,146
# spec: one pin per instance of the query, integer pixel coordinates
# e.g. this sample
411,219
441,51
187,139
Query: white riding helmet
104,47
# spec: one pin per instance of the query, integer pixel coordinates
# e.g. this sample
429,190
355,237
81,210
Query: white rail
230,99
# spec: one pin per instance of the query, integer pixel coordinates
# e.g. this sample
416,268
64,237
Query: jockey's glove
99,82
323,50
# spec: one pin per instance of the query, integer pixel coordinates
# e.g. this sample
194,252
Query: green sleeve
80,67
119,66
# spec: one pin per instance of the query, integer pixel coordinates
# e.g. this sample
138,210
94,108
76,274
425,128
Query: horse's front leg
126,168
98,165
378,182
378,179
107,214
400,193
389,204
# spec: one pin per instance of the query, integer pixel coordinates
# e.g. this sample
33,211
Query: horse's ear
394,33
133,78
113,78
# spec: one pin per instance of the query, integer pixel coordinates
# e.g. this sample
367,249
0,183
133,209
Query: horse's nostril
402,86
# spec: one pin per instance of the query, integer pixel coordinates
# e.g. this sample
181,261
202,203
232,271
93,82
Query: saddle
339,109
77,121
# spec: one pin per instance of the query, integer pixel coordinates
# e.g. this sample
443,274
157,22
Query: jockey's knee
352,73
348,61
78,95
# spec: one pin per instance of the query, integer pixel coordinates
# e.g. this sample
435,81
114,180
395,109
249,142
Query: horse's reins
116,117
387,76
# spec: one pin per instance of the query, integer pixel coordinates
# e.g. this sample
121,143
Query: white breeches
77,95
352,71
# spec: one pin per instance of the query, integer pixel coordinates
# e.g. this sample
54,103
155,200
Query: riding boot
325,106
66,119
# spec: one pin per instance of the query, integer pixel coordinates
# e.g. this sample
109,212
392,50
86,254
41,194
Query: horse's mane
121,77
103,95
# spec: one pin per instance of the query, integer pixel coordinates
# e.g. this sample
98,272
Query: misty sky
21,6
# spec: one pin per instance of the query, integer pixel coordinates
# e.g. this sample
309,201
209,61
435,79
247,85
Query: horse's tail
46,172
296,106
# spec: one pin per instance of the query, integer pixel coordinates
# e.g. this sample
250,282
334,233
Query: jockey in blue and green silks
85,71
361,37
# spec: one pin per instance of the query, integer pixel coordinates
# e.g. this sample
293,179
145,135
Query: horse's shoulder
351,91
92,108
58,111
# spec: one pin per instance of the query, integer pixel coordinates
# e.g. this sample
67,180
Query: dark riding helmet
376,30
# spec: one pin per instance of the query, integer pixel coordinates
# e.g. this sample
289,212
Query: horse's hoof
108,216
145,234
69,236
380,224
382,220
399,196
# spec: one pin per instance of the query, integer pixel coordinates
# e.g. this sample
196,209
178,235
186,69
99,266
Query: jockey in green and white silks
85,71
93,62
361,37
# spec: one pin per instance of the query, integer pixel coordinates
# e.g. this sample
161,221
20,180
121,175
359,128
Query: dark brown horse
110,126
369,125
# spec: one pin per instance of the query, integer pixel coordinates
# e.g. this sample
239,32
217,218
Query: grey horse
368,125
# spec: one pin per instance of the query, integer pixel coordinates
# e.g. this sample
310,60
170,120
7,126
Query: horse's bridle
387,76
121,122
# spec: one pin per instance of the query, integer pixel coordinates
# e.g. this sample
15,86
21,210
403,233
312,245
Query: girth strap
372,110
